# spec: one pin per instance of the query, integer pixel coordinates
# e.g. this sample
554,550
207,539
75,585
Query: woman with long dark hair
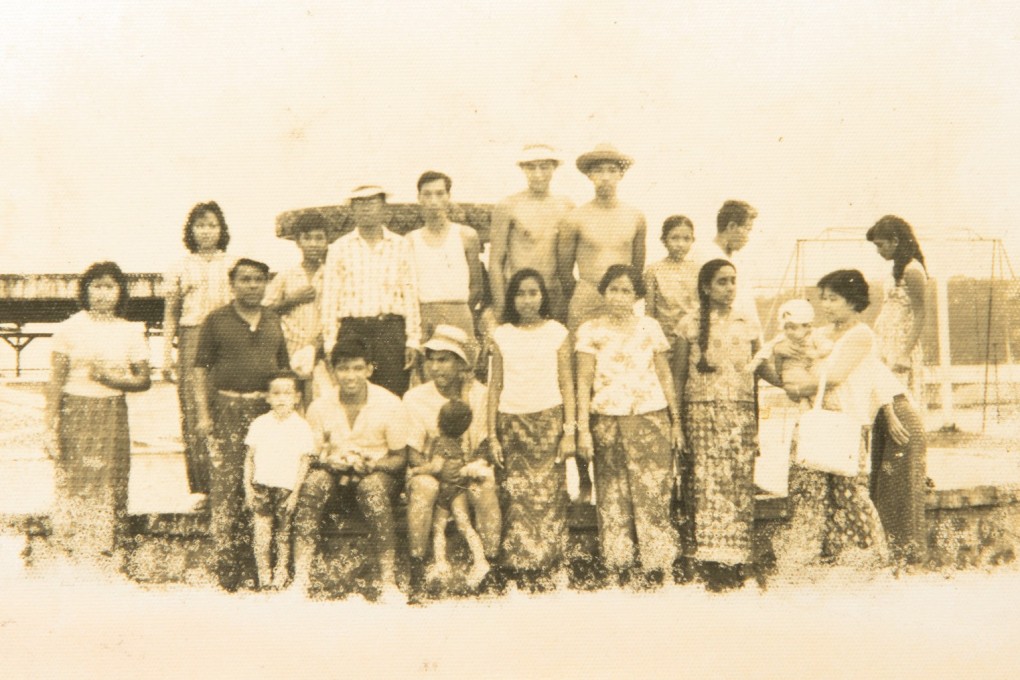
714,348
899,446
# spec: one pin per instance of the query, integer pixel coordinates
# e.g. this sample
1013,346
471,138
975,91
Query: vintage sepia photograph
509,340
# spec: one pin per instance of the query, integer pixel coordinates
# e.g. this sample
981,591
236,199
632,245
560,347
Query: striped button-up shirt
362,279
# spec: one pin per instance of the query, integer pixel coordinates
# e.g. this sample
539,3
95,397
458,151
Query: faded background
116,117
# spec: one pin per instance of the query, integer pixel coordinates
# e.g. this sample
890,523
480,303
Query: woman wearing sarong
532,428
714,348
194,286
624,386
898,455
832,518
97,357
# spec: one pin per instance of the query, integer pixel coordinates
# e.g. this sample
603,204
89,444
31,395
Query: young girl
532,428
97,357
195,286
672,282
714,348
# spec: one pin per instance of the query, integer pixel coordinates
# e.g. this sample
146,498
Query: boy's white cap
532,153
796,311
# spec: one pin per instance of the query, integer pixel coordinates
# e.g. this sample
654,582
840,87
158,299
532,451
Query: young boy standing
280,445
294,294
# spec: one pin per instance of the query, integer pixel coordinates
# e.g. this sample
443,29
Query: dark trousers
386,338
899,482
196,457
233,559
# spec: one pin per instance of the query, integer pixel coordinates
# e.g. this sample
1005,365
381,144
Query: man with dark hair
446,260
361,438
733,230
240,347
294,294
370,289
524,229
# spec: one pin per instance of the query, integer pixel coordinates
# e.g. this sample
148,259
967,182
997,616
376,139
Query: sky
117,117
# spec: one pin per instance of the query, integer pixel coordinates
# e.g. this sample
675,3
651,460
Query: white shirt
422,404
379,428
443,274
277,447
85,341
530,367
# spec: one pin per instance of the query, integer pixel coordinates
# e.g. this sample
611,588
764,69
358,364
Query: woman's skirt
634,478
723,439
535,534
91,475
898,482
832,518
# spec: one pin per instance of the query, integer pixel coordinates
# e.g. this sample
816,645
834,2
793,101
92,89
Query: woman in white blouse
97,357
629,420
532,428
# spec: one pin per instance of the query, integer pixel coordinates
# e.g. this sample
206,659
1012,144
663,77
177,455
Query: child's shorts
451,484
270,501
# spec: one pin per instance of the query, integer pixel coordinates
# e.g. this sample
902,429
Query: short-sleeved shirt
381,425
729,352
672,292
422,404
239,358
85,341
302,324
530,366
625,381
277,447
202,283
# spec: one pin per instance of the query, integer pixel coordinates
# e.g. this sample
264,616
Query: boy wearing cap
598,234
448,363
525,227
294,295
370,289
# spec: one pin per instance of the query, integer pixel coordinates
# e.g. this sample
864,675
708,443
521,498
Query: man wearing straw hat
370,289
598,234
524,229
595,236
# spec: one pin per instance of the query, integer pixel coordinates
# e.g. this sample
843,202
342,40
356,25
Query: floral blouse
625,380
729,351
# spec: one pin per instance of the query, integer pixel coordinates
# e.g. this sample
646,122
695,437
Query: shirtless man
524,228
595,236
598,234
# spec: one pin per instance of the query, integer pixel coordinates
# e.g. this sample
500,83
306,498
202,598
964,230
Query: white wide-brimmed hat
532,153
603,153
366,191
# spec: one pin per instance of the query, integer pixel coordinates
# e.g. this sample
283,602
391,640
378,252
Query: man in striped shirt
370,290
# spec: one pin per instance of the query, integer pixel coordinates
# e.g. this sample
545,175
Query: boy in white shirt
280,446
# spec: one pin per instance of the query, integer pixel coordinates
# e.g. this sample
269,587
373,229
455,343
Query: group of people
397,366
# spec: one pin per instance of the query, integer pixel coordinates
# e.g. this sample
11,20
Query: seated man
448,362
361,435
